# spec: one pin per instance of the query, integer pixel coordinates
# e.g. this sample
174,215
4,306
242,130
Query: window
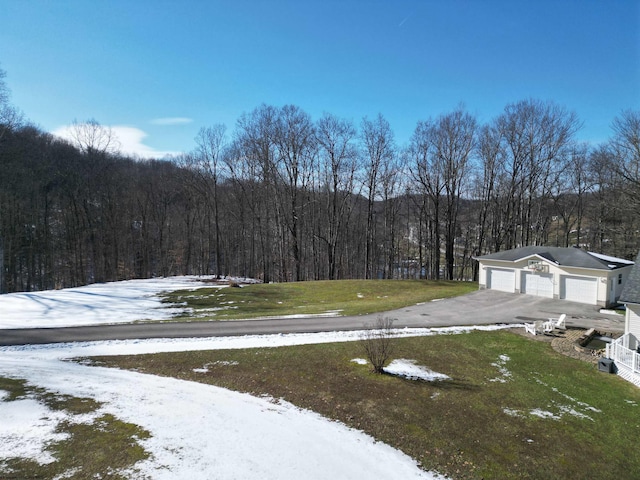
619,279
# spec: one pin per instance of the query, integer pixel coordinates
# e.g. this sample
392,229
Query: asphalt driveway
483,307
490,306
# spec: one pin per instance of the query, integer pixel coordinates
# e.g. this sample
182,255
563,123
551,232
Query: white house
564,273
624,350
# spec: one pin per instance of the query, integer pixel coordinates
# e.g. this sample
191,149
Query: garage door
579,289
500,279
539,284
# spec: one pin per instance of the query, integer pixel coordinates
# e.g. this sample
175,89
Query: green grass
479,424
347,297
99,448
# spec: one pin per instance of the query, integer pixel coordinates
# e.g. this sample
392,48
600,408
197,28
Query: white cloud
171,121
130,140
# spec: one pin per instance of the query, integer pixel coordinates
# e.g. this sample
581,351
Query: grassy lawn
91,444
345,297
513,408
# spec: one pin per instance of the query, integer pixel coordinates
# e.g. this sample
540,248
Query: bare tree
377,343
379,149
569,195
211,144
252,168
487,188
295,141
391,186
4,90
92,138
427,176
454,140
338,164
625,146
536,137
10,117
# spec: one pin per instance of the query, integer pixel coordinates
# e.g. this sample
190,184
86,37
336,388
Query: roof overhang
526,257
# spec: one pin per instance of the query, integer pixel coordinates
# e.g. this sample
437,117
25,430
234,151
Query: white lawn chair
553,323
534,328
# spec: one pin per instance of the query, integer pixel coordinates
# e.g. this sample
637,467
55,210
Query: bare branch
92,138
377,343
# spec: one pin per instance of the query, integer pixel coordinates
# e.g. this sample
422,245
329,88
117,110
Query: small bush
377,343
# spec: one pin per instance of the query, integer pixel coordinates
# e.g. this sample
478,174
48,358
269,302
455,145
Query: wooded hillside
284,197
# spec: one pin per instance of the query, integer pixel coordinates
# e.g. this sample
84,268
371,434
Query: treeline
286,198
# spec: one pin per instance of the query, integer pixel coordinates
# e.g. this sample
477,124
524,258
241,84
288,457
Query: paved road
478,308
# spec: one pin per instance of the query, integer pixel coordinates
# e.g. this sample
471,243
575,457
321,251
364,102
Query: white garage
578,289
570,274
538,284
501,279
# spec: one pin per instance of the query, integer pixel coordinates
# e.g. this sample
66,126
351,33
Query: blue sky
164,69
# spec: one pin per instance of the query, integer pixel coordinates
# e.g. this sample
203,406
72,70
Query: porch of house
624,352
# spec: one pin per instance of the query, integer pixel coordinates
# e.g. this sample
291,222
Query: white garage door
539,284
579,289
499,279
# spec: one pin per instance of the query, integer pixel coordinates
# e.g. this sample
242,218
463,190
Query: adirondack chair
534,328
553,323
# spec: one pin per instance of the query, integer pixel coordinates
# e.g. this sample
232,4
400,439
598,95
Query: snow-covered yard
100,303
197,431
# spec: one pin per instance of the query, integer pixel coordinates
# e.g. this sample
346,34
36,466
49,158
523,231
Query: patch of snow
576,401
333,313
360,361
205,368
408,369
607,258
544,414
27,428
513,413
155,345
99,303
572,411
576,410
505,374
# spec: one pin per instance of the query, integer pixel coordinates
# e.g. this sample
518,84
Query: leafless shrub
377,342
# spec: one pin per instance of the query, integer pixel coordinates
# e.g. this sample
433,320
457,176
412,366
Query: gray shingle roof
631,291
567,257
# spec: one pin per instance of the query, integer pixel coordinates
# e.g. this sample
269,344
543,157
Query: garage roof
631,291
567,257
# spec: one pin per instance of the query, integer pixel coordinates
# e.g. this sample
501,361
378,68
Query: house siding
633,320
